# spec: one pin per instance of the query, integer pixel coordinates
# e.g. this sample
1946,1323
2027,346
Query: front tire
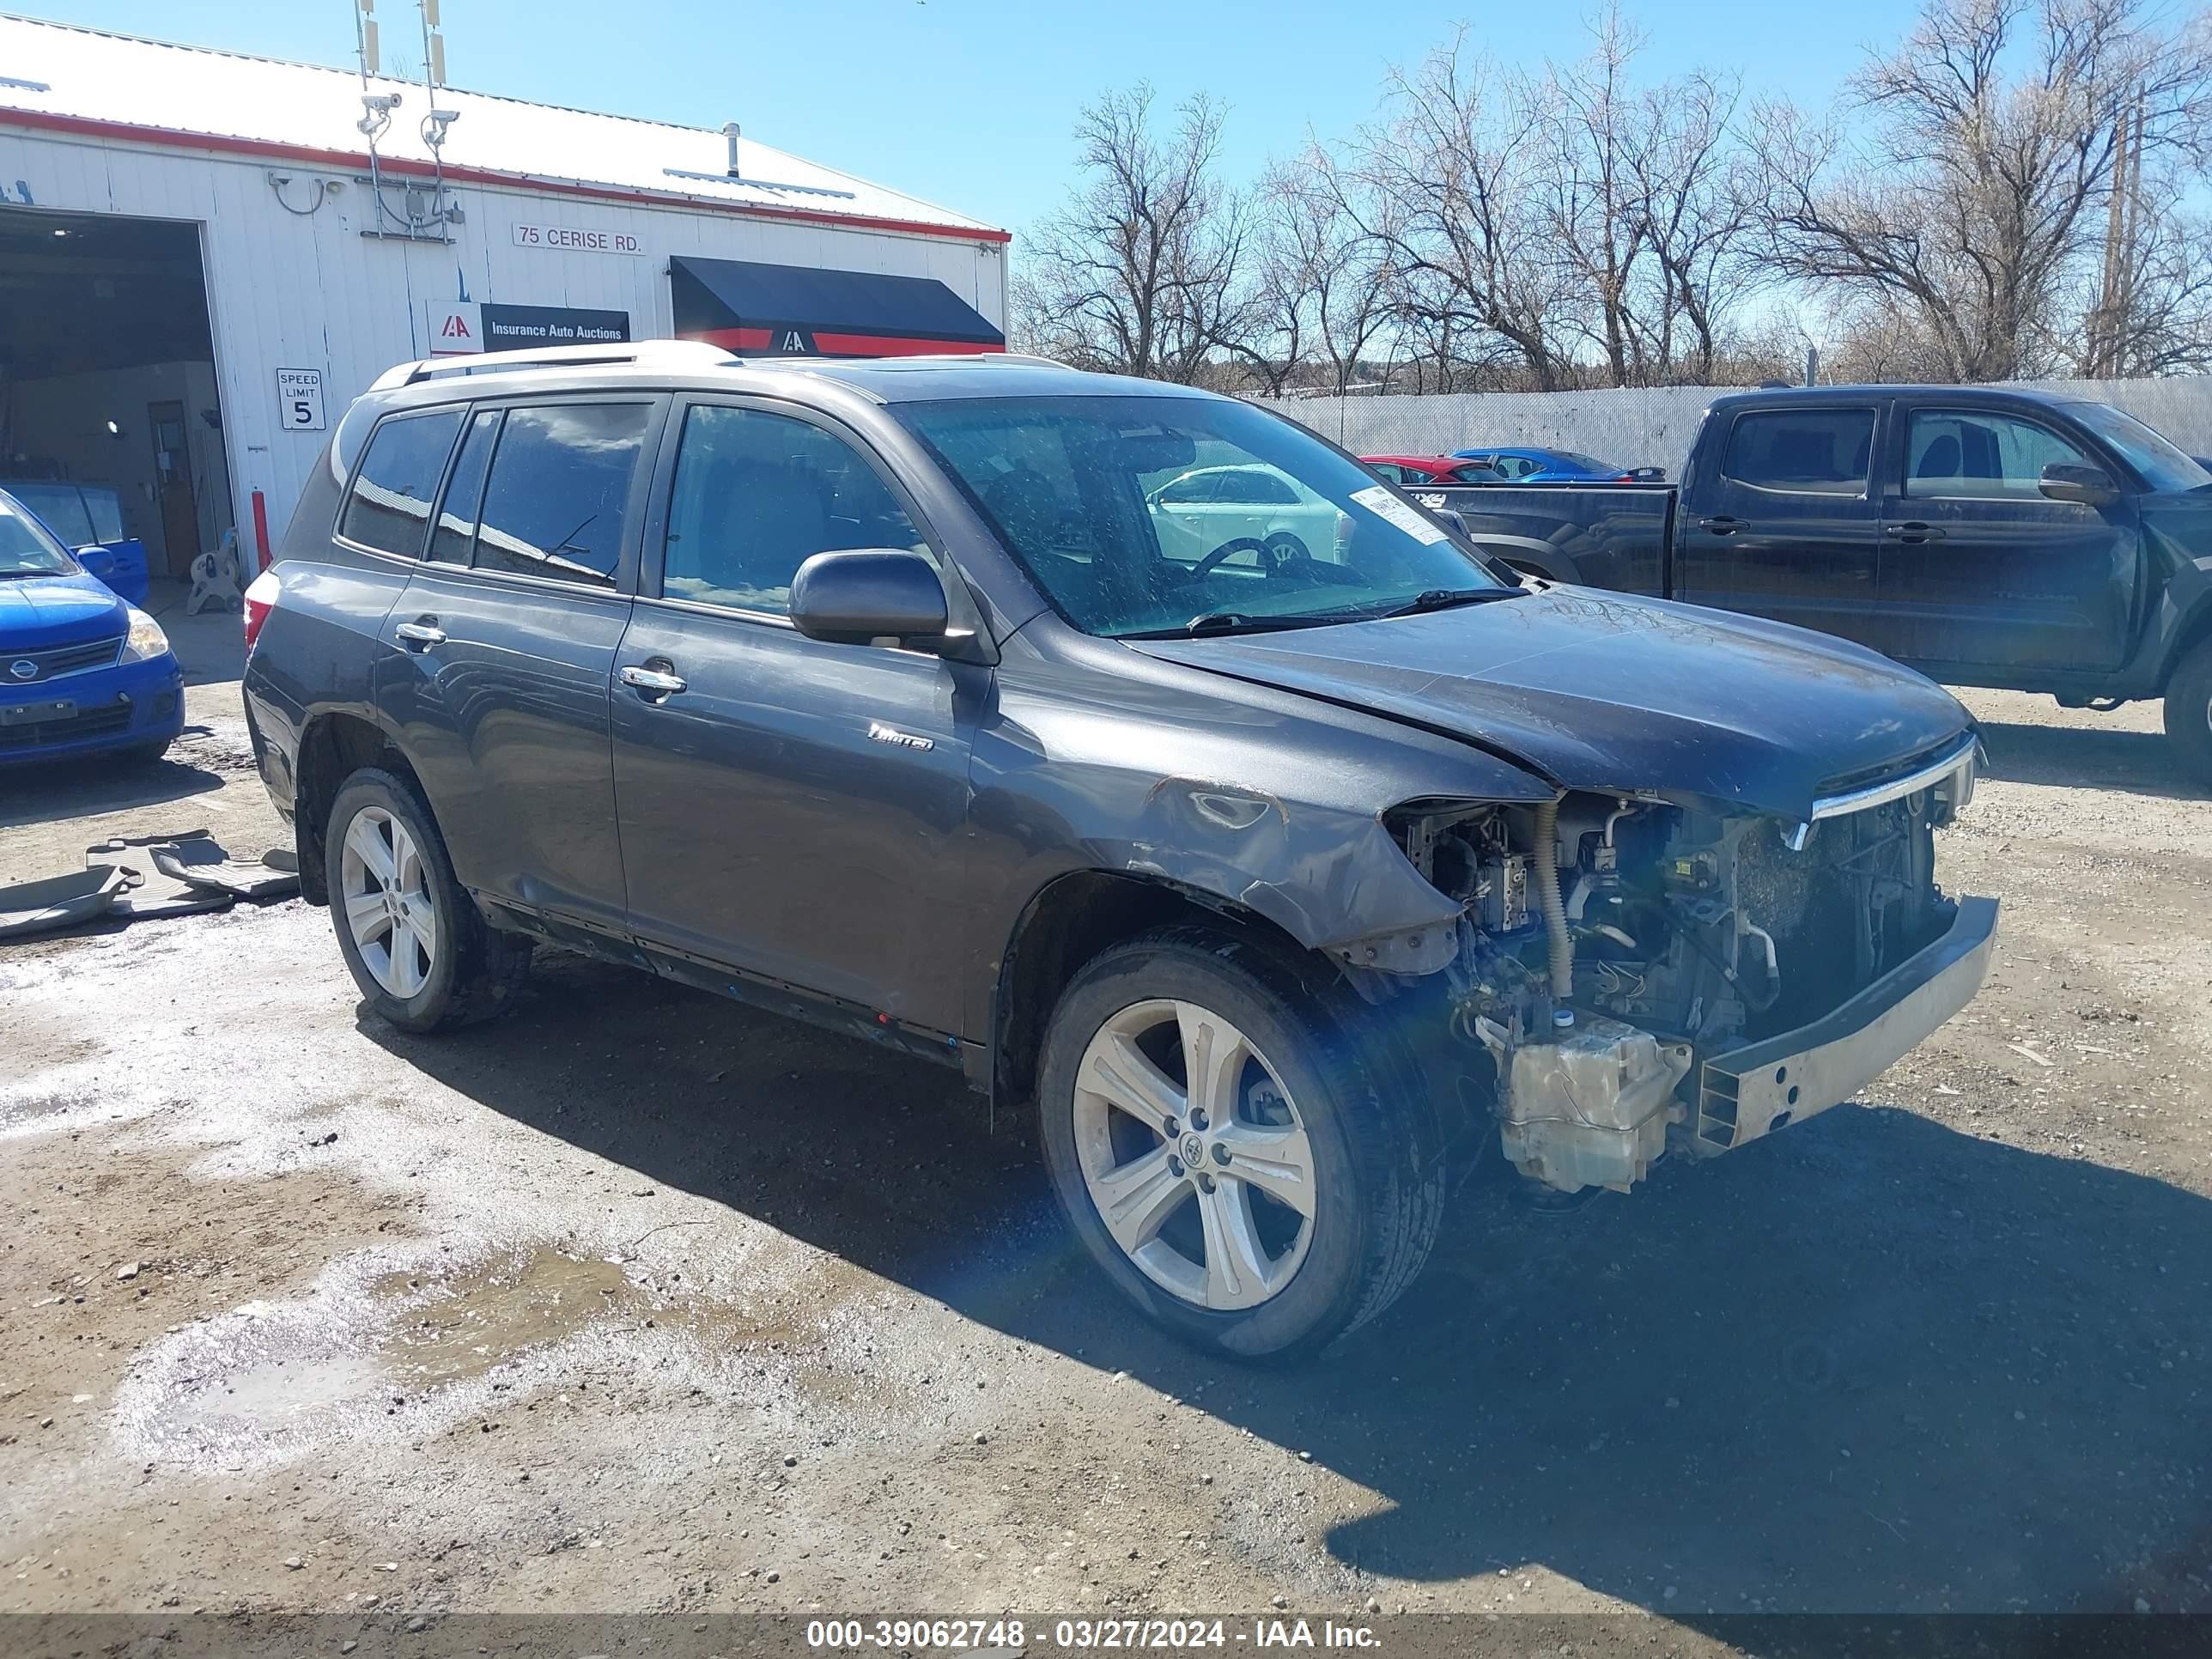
415,942
2189,711
1285,1200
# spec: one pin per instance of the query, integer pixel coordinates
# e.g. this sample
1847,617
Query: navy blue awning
806,311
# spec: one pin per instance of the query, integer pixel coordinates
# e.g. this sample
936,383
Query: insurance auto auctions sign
459,325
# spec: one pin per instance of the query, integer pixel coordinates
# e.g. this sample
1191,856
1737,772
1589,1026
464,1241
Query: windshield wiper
1445,598
1211,623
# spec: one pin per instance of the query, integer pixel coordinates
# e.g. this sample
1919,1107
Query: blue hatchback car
82,671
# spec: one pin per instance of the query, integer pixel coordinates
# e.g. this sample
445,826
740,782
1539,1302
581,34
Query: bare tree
1323,293
1443,187
1966,207
1143,271
1584,122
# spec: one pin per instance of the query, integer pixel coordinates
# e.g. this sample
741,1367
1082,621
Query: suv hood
1603,692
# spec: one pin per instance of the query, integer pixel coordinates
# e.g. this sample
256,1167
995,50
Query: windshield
2163,467
27,548
1147,514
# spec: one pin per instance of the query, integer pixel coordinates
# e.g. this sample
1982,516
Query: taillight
260,600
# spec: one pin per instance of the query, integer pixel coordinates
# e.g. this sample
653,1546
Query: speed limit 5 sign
299,399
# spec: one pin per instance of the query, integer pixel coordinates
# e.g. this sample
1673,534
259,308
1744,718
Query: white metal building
204,256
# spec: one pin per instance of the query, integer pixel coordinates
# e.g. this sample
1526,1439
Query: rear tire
417,947
1331,1190
2189,711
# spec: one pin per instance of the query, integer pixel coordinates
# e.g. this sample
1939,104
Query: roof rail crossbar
642,354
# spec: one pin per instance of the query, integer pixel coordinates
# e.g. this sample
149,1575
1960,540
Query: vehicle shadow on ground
1871,1363
45,792
2089,757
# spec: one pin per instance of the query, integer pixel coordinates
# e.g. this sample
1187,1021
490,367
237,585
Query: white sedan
1209,507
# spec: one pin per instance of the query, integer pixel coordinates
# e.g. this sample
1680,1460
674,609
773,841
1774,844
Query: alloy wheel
387,903
1194,1155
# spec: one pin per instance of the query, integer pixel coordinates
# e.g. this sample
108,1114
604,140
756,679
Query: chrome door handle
652,682
419,636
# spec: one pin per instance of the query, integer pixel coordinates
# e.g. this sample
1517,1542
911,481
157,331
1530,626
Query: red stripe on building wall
849,345
401,168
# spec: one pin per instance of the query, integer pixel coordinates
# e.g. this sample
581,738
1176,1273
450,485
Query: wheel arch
334,744
1070,921
1527,554
2190,634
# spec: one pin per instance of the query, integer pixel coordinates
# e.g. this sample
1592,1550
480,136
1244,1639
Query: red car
1414,470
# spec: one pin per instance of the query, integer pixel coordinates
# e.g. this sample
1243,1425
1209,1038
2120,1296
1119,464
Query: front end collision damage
1573,970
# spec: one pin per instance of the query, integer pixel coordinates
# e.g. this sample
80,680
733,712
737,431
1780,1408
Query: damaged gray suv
1128,748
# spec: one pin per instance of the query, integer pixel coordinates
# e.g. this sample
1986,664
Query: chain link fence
1653,426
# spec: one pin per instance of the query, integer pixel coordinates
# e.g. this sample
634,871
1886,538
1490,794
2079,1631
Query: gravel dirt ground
638,1301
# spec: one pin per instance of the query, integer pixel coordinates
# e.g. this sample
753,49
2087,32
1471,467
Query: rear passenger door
793,809
505,644
1790,527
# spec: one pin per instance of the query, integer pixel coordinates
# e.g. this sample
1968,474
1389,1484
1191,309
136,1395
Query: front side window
1973,455
1811,452
1073,487
557,501
27,548
389,507
106,511
755,496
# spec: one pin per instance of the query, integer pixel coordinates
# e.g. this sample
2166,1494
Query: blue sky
970,102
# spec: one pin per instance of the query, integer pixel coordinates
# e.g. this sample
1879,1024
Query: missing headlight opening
1616,959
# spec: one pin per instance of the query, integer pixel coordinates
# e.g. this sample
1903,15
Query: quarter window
1815,451
557,501
1971,454
755,496
389,506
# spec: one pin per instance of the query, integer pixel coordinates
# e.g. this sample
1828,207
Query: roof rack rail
642,354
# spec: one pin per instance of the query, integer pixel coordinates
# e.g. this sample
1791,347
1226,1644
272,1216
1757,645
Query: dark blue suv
1280,874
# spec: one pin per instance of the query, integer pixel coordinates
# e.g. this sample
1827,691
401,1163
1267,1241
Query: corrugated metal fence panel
1653,426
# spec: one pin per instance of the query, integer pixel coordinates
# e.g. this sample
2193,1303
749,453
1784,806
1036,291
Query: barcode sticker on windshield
1384,505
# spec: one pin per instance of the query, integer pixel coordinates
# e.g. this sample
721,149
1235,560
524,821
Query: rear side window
557,500
1255,489
454,540
61,509
389,507
1818,452
756,495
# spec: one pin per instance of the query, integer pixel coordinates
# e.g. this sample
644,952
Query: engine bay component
1590,1108
1505,894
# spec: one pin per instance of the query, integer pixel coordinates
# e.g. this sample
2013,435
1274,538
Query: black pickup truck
1985,537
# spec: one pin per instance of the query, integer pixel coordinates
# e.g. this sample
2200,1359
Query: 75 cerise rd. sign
565,238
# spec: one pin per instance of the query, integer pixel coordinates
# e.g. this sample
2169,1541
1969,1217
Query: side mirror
2086,486
870,594
1450,517
98,560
